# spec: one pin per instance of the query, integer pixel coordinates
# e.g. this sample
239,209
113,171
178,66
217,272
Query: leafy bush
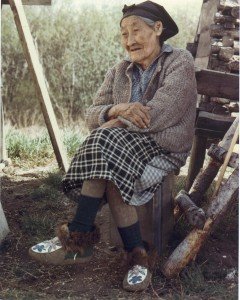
76,48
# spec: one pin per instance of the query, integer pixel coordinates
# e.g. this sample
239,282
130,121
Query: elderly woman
141,124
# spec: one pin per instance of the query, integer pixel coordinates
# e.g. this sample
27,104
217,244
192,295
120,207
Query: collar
165,49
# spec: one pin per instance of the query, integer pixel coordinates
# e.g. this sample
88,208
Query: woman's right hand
133,112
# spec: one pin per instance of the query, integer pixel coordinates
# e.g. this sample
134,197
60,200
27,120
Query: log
221,19
191,245
229,25
228,4
235,12
233,64
221,101
226,53
217,30
218,154
206,176
4,229
222,85
227,41
233,108
195,215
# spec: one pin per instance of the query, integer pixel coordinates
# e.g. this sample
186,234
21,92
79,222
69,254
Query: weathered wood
192,48
155,217
208,12
221,101
220,18
190,246
32,2
228,42
233,108
196,159
226,161
235,12
39,81
217,30
206,176
212,121
226,53
194,214
233,64
228,4
218,154
222,85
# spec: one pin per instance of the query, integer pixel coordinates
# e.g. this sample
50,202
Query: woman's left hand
113,123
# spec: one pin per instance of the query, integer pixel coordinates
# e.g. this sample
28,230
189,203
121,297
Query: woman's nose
131,40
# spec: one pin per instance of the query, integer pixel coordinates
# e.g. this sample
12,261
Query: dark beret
155,12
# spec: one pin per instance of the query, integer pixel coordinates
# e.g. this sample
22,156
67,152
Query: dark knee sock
85,215
131,236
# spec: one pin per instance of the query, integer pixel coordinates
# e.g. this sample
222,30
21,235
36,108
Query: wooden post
208,12
39,80
196,160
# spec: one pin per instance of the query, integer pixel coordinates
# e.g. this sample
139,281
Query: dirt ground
33,204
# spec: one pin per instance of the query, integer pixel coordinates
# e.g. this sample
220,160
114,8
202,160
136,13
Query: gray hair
149,22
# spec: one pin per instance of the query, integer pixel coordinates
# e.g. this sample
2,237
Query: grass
32,146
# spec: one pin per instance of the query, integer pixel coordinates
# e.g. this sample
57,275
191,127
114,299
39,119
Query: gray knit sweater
171,94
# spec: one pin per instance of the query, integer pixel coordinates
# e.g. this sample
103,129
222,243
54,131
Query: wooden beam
217,84
32,2
208,12
40,81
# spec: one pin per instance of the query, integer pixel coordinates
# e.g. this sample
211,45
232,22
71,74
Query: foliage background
76,45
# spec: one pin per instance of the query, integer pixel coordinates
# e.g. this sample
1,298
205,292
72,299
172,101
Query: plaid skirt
113,154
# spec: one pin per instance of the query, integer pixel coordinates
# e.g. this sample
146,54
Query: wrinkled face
140,40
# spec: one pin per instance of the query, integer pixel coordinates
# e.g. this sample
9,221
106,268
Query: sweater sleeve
171,100
103,101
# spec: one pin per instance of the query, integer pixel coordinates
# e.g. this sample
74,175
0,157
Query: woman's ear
158,26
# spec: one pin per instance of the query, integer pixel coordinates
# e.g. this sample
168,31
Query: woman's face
140,40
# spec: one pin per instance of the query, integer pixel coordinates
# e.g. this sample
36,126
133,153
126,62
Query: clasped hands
136,113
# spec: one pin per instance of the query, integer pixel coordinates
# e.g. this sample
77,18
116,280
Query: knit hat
155,12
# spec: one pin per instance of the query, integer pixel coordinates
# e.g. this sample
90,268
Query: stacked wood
225,37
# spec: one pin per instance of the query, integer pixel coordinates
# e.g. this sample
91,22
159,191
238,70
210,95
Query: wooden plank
40,82
222,85
208,12
32,2
212,121
4,229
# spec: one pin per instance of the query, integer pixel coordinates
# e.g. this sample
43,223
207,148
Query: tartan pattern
113,154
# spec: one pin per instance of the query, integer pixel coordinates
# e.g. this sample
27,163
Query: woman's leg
88,204
126,219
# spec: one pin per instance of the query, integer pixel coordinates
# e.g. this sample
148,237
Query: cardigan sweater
171,95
